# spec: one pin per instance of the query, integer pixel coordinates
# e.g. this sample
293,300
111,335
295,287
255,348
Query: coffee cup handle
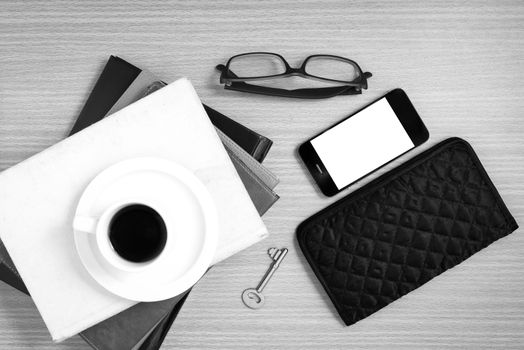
85,224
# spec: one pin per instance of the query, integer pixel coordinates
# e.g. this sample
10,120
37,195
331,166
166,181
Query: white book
38,198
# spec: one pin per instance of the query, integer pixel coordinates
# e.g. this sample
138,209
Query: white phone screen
362,143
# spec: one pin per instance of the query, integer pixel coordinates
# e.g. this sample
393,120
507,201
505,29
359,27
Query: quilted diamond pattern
403,229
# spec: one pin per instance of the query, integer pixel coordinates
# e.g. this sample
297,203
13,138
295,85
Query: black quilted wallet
404,228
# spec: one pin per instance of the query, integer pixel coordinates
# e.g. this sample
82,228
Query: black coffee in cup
137,233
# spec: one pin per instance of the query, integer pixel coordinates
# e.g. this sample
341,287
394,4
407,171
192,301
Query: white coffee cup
100,227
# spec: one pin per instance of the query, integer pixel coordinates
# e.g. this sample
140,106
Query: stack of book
144,325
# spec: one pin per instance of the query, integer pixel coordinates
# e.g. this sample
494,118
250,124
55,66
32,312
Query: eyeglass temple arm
314,93
298,93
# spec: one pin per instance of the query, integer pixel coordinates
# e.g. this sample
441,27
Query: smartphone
363,142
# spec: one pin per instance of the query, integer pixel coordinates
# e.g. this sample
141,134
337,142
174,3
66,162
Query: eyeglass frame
232,82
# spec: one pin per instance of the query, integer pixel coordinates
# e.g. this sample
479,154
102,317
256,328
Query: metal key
253,298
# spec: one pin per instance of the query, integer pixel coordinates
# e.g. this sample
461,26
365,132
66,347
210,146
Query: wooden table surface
462,64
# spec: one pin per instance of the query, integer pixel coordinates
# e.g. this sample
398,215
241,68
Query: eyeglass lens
333,68
257,65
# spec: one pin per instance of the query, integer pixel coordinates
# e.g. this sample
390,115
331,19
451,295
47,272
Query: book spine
262,148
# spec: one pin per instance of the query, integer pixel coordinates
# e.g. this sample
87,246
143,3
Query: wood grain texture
460,62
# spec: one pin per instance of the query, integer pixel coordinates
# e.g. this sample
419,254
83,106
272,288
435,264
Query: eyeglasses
344,73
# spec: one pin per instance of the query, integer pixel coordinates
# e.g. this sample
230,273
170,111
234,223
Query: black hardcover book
112,83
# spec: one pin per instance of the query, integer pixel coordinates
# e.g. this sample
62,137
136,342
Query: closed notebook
125,331
113,82
172,116
254,143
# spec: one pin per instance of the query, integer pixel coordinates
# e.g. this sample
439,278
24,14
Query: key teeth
272,252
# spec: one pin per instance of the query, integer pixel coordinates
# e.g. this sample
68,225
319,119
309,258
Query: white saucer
193,247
